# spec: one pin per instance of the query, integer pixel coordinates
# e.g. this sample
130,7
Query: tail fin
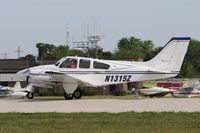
171,57
17,86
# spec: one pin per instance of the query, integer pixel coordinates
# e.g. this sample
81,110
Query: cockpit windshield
60,61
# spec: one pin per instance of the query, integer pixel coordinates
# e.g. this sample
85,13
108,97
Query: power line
5,55
19,51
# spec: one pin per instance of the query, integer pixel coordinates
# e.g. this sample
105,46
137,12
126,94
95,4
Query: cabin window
69,63
59,61
84,63
99,65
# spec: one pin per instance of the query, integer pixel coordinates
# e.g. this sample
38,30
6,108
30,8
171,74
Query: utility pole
19,51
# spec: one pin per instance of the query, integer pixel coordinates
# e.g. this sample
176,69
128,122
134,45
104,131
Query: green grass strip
129,122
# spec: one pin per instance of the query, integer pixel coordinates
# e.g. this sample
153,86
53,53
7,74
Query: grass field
129,122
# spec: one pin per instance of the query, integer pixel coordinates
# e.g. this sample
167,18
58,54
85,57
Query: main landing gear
77,95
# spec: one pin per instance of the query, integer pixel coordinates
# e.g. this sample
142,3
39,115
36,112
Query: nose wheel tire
77,94
30,95
68,96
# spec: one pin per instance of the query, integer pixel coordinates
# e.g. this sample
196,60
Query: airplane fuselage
117,74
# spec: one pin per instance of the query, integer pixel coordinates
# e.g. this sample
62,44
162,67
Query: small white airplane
73,72
155,92
16,91
186,92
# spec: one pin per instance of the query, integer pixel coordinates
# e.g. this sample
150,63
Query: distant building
14,65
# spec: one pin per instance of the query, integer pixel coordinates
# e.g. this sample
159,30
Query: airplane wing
57,76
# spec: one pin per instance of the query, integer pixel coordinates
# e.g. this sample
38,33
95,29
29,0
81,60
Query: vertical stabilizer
171,57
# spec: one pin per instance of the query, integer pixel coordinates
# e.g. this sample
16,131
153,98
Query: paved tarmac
101,105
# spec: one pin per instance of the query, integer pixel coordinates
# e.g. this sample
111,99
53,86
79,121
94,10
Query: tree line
127,49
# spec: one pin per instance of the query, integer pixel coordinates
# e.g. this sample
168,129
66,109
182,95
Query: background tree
152,53
148,49
44,49
187,70
76,52
94,52
191,64
107,55
129,48
58,52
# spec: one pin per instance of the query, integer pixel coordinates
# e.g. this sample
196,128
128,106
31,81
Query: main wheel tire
30,95
77,94
68,96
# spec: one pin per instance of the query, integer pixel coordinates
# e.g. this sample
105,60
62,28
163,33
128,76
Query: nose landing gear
30,95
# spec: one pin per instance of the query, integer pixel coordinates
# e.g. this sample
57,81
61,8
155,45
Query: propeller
27,80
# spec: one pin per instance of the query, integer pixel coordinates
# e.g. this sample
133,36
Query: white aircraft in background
186,92
73,72
155,92
16,91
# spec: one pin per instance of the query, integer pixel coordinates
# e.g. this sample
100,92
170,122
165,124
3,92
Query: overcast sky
27,22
